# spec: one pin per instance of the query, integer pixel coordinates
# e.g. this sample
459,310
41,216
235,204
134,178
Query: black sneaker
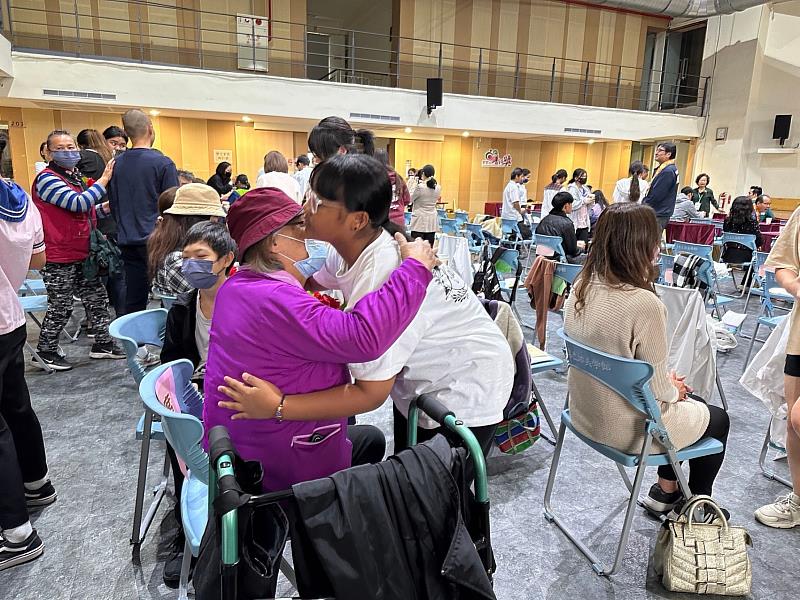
659,501
701,515
174,562
42,497
107,350
13,554
53,360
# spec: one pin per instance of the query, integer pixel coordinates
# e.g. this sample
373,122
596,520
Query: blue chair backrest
167,390
508,226
554,242
696,249
474,234
745,239
142,327
442,213
408,218
768,298
628,377
567,272
665,264
449,226
168,301
508,263
462,216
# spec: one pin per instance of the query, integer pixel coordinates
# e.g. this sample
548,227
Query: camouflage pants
63,281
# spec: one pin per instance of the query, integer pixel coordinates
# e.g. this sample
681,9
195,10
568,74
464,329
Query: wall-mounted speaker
434,93
783,123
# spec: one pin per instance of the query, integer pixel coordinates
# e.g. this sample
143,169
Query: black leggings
429,237
703,471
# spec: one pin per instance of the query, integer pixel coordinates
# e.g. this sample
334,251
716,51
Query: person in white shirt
276,175
303,173
633,188
452,351
511,204
523,191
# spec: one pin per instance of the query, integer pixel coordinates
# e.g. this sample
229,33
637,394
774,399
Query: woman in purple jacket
265,324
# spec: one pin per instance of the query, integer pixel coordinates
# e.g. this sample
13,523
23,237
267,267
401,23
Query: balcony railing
157,33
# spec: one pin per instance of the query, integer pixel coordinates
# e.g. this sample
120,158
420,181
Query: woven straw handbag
703,558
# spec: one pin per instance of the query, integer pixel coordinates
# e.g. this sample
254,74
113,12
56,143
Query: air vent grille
79,94
390,118
579,130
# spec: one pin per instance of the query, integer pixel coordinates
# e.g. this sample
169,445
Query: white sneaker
146,358
783,514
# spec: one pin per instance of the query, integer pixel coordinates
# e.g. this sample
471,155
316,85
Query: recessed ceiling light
407,129
246,119
154,113
590,142
465,134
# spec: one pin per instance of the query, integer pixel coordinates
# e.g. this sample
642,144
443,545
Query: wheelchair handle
219,443
434,409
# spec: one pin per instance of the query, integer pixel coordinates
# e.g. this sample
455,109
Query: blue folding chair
714,300
567,272
630,378
770,291
132,331
758,278
748,241
666,263
769,444
475,237
462,217
442,213
168,392
551,242
449,226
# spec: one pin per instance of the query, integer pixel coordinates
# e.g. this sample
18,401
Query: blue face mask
317,253
66,158
199,273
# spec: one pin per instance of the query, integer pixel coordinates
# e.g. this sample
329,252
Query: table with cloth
768,238
695,233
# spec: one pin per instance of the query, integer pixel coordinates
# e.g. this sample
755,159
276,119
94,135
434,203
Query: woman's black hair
429,172
577,174
687,190
222,168
560,174
637,168
600,198
215,235
697,179
359,182
42,146
561,199
741,211
333,133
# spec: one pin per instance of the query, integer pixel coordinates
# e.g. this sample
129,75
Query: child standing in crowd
23,464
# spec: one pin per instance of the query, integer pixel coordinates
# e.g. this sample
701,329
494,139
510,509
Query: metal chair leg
597,566
546,413
721,391
186,563
140,524
288,572
752,343
762,459
47,368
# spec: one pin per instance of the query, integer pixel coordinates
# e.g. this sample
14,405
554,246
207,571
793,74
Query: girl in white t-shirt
452,351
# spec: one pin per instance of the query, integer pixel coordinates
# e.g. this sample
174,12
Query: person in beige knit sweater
785,259
614,308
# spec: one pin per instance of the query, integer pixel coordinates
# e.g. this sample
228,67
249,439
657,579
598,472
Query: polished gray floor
88,417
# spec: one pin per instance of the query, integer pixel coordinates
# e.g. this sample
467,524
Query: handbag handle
688,510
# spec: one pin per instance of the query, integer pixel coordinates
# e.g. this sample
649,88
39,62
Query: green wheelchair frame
221,477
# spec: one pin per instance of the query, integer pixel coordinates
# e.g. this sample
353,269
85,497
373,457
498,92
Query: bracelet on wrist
279,410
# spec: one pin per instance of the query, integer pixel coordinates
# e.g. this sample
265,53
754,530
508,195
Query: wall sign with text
492,158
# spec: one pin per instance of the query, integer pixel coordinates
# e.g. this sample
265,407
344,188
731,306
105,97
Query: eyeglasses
315,202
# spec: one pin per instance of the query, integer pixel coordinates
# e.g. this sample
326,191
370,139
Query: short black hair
526,172
757,189
687,190
561,199
515,173
760,199
114,131
669,148
699,177
358,181
302,160
215,235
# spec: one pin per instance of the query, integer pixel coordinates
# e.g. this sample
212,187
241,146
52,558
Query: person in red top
67,206
401,197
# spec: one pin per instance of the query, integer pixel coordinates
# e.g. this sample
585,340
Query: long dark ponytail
636,169
560,174
429,172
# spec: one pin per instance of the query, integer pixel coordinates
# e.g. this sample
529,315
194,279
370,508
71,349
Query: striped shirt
54,190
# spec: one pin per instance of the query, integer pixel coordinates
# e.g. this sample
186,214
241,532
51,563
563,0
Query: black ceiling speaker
434,93
783,123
